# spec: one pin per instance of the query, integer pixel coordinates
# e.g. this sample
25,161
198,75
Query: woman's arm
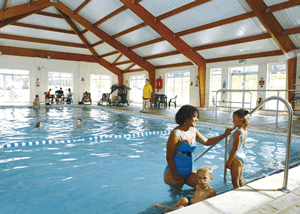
236,142
202,139
171,148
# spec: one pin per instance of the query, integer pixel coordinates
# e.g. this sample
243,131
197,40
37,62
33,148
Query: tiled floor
261,196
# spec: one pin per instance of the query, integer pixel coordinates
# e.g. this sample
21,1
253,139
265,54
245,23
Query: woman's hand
228,131
228,165
178,179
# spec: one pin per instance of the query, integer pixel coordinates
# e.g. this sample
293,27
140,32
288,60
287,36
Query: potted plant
122,90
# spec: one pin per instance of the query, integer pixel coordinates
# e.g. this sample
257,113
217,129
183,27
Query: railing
236,90
288,144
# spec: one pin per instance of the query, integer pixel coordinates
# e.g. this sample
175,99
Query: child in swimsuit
235,147
203,190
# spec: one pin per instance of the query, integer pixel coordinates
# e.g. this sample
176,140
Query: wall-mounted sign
242,61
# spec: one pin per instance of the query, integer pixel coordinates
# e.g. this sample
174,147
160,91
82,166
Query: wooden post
152,83
202,84
291,76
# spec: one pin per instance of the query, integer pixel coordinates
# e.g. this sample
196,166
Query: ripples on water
109,176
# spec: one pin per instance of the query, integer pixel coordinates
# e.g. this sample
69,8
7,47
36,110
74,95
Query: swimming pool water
109,175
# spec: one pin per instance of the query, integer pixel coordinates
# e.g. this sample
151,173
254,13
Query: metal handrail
288,144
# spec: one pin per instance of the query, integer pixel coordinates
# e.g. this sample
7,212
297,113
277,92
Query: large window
244,78
14,85
178,83
215,84
137,84
277,81
100,84
57,80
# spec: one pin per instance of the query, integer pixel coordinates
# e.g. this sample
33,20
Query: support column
202,83
291,76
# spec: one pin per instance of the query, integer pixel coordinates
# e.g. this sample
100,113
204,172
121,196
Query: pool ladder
288,143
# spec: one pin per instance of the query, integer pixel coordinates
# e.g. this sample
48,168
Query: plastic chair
162,100
156,100
173,100
103,101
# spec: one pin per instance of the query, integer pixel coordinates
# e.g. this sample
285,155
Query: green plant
122,89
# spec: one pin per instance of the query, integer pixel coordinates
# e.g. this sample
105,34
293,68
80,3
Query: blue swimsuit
183,158
240,152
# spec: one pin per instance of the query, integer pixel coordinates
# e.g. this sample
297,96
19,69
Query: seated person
116,100
104,99
86,97
59,95
49,96
69,96
36,102
47,102
203,190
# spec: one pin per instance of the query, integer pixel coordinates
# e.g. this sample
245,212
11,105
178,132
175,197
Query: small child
235,147
78,121
39,125
116,101
203,190
36,102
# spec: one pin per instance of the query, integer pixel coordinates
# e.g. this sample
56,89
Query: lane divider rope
99,137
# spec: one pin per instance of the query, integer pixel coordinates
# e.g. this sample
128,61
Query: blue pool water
108,175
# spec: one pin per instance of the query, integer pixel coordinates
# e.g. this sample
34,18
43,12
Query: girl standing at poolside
236,145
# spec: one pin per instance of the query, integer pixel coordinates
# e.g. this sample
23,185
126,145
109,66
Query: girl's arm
210,141
236,142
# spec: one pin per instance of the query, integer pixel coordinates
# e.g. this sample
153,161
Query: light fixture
48,57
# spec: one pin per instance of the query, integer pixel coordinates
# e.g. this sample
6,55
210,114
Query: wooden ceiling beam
26,52
135,1
130,30
131,66
117,59
43,28
5,5
109,54
124,62
181,9
292,31
84,31
147,43
105,37
116,12
282,6
101,61
165,32
97,43
43,41
14,19
81,6
174,65
162,55
24,8
134,70
52,15
246,56
272,25
31,2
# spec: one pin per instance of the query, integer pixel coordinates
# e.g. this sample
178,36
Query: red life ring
159,83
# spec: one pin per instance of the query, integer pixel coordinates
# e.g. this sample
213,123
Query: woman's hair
79,119
38,124
206,169
185,112
69,89
36,95
243,114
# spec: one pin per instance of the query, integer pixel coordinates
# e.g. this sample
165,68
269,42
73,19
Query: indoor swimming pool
122,175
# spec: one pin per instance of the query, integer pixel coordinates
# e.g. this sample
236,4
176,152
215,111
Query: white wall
194,91
78,69
262,71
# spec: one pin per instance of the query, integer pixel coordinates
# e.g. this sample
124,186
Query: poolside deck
260,196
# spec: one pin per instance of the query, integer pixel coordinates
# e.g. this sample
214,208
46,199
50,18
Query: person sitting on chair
69,96
104,99
59,95
86,97
36,102
49,96
116,100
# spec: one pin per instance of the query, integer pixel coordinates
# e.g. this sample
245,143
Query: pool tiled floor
258,197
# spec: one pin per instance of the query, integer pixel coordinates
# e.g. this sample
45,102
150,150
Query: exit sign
242,61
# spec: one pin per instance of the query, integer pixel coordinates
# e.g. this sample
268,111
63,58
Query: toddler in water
78,121
235,147
203,190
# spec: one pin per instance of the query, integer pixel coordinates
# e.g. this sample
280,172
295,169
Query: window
277,81
14,85
244,78
215,84
57,80
137,83
178,83
99,84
